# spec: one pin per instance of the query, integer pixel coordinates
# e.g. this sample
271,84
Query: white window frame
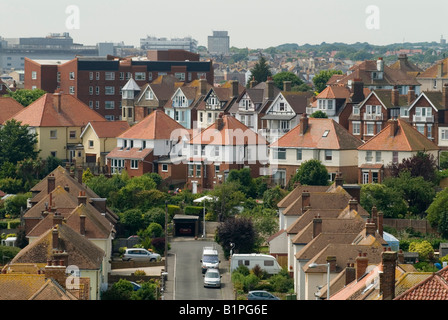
134,164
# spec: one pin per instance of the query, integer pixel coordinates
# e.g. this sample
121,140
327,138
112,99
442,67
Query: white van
210,259
266,262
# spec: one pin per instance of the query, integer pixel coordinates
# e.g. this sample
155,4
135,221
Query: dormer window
149,95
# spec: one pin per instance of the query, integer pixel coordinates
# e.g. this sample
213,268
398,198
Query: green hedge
3,225
194,210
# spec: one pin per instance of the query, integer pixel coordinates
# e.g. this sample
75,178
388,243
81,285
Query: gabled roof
432,72
8,108
435,287
131,85
82,252
156,126
321,133
232,132
406,138
107,129
435,98
43,112
334,92
297,192
385,97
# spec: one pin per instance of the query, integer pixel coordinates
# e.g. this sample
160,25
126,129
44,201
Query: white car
140,254
212,278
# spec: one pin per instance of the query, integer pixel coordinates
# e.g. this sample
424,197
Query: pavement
169,285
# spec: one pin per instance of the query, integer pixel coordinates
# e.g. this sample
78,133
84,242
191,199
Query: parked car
261,295
140,254
212,278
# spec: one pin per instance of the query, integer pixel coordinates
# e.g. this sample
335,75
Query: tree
280,77
17,142
244,180
261,71
437,212
319,114
237,230
320,80
311,172
420,165
26,96
385,199
228,197
416,191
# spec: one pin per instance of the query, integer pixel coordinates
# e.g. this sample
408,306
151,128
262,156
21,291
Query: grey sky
250,23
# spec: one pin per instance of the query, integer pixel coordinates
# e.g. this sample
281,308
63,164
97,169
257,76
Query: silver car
212,278
140,254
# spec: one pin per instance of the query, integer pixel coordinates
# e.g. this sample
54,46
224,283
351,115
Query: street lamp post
314,265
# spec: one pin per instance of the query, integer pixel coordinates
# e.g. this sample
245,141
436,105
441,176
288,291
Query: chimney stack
350,273
82,225
353,204
287,85
445,95
82,198
395,97
219,122
374,216
252,83
339,181
79,172
440,70
270,88
387,278
380,64
55,238
203,86
332,261
57,271
57,100
393,126
51,183
317,226
57,219
303,124
306,201
380,223
370,228
411,95
234,88
358,90
361,265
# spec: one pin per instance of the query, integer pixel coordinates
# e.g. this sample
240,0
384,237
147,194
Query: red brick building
97,81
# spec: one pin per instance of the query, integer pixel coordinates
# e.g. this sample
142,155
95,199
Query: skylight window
326,132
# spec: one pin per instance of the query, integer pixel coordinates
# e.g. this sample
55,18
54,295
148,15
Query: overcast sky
250,23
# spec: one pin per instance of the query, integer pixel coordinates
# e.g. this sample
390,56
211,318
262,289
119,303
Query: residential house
370,116
183,104
58,119
225,145
98,139
139,148
218,100
428,114
315,138
72,252
253,102
24,281
338,101
8,108
375,74
397,141
284,113
435,77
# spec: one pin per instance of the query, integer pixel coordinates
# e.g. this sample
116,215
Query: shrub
194,210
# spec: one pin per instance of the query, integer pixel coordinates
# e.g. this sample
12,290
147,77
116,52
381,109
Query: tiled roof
81,252
297,192
406,138
434,287
156,126
338,138
298,101
108,129
133,153
434,97
8,108
432,72
43,113
334,92
233,132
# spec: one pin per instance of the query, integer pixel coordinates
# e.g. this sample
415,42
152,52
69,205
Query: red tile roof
156,126
338,138
109,129
8,108
232,132
134,153
406,138
44,113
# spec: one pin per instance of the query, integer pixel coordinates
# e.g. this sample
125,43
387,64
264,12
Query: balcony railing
423,118
373,116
